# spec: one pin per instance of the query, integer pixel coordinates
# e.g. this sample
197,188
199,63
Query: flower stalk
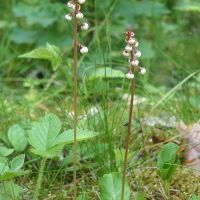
75,7
132,53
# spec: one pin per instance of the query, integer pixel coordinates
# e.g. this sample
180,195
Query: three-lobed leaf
17,138
111,187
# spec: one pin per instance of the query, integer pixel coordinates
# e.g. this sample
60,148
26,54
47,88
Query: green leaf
68,136
17,162
188,7
4,151
44,135
83,196
3,168
194,197
17,138
8,175
111,187
10,190
166,161
50,53
105,73
140,196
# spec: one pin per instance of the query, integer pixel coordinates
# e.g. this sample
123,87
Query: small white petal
70,4
130,75
84,50
128,48
126,54
134,62
85,26
79,15
142,71
131,41
136,44
68,17
138,54
81,1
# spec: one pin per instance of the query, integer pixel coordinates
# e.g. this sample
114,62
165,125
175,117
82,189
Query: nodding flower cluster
76,12
133,54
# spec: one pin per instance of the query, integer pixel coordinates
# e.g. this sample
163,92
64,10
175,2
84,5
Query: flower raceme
76,12
131,52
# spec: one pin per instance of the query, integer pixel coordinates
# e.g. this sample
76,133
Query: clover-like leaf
17,138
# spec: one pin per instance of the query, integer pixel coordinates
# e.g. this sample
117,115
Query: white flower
128,48
132,34
70,4
130,75
136,44
81,1
85,26
131,41
142,71
134,62
79,15
126,54
68,17
84,50
138,54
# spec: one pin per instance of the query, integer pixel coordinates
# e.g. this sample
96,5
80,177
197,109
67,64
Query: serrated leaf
50,53
17,138
111,187
68,136
43,136
17,162
4,151
105,73
166,160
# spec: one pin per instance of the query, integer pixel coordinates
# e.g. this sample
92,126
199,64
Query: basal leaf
111,187
166,160
50,53
17,162
4,151
17,138
105,73
68,136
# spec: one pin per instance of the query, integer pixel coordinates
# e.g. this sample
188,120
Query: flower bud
136,44
79,15
68,17
134,62
70,4
131,41
126,54
81,1
84,50
85,26
128,48
130,75
142,71
138,54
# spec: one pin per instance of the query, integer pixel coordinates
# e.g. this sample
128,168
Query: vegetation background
168,32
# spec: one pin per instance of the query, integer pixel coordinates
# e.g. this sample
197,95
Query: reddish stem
129,131
75,100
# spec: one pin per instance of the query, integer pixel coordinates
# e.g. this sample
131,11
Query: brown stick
75,99
128,133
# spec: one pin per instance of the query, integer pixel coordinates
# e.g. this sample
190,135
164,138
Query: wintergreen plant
132,54
75,7
166,164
